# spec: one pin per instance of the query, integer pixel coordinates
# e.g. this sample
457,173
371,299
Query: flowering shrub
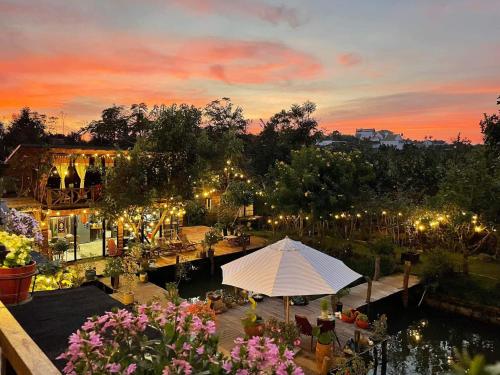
62,279
18,247
283,333
260,355
21,224
184,343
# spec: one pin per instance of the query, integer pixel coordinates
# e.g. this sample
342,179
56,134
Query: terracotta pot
347,319
363,324
15,283
323,351
254,330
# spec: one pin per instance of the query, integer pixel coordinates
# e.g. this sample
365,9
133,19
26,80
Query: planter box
15,283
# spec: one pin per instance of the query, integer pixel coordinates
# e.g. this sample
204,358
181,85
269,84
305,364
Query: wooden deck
197,234
229,325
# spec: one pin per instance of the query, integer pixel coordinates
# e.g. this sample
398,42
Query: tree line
177,149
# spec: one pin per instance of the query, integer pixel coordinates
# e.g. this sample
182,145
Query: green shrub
436,266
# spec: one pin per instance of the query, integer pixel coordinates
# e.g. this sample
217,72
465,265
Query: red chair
305,328
112,248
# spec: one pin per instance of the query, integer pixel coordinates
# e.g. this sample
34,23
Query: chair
112,248
305,328
186,244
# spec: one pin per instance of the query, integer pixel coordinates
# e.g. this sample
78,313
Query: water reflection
427,345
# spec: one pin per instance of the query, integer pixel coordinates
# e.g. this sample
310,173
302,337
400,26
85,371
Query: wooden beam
17,348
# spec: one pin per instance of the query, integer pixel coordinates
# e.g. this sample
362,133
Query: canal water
423,339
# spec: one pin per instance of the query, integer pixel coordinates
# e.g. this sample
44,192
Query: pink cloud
349,59
232,61
274,14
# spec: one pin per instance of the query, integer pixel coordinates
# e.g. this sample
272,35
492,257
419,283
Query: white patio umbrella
288,268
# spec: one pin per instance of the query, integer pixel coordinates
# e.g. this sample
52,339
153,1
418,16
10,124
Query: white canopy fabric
288,268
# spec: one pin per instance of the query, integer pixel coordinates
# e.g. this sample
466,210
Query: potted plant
16,267
128,292
90,271
324,308
172,292
337,299
349,315
211,238
324,345
283,334
362,321
60,247
113,269
253,324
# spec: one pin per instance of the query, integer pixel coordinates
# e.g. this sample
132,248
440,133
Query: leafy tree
381,247
317,183
225,125
285,131
176,134
490,127
472,185
112,128
26,127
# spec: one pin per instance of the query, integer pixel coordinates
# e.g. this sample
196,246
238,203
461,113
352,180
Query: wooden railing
71,198
18,351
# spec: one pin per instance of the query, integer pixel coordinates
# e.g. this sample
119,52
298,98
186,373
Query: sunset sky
417,67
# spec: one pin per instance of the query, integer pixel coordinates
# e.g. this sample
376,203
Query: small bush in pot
324,308
113,269
90,271
349,315
16,267
253,324
324,345
362,321
283,333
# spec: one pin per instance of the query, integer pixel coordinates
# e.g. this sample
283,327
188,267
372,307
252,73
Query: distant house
393,140
365,134
381,138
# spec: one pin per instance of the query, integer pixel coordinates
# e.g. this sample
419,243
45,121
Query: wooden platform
229,325
197,234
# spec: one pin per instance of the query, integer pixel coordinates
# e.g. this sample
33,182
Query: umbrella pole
287,309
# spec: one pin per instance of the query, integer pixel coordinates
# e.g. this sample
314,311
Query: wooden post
368,290
211,253
406,279
383,370
357,336
75,245
119,237
376,274
286,302
368,295
45,240
103,237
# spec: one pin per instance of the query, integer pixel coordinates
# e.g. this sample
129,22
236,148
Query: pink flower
131,369
113,368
